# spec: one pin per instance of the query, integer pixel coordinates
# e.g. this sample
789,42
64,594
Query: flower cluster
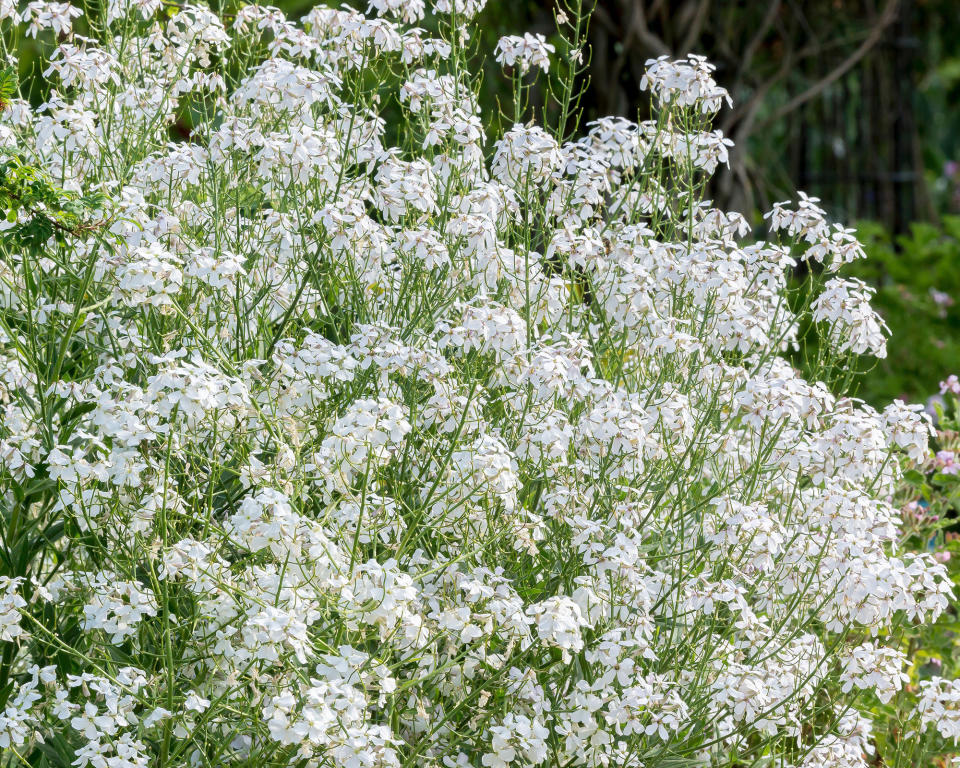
525,52
345,444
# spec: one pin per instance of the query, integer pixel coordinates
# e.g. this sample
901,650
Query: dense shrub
918,285
455,450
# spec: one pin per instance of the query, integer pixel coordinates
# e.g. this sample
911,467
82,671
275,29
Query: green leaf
8,85
914,477
942,478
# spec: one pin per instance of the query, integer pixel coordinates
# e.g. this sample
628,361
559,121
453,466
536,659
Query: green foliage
8,86
39,210
918,284
930,504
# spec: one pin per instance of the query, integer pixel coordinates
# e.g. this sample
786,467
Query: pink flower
952,384
946,460
912,510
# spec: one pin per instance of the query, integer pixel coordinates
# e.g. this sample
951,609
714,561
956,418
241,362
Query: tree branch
696,27
886,18
638,28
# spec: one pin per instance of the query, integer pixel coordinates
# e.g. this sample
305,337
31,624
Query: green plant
929,503
917,281
370,435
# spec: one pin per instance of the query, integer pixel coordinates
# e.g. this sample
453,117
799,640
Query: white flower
844,305
50,15
939,705
560,622
526,156
150,275
524,52
116,607
873,666
365,439
407,10
687,83
10,604
465,9
196,703
516,737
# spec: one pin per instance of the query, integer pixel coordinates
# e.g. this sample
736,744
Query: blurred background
852,101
